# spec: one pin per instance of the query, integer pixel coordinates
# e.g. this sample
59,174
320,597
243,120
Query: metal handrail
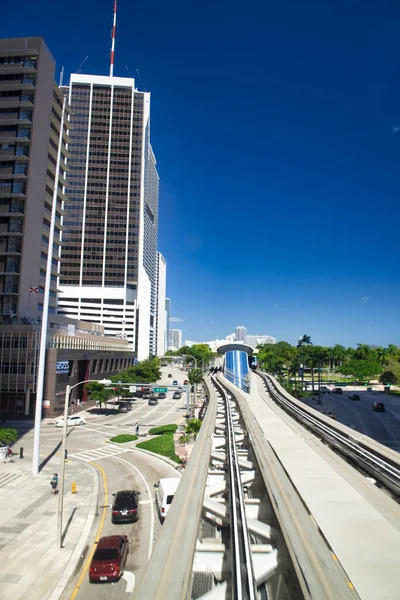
168,573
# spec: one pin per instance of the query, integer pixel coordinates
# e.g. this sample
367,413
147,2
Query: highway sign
157,390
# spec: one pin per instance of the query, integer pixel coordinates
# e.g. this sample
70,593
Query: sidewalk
32,564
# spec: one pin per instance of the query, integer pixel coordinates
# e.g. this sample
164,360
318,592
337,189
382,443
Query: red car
109,559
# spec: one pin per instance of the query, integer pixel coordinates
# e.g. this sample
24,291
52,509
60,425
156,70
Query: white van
165,492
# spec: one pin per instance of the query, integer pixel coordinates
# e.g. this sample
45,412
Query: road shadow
53,452
103,411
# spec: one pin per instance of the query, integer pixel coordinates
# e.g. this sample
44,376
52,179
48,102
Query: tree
8,436
363,352
195,376
361,369
99,392
381,355
388,378
392,350
305,340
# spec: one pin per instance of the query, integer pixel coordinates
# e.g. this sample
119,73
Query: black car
378,407
337,391
162,395
124,407
153,400
125,508
176,395
354,397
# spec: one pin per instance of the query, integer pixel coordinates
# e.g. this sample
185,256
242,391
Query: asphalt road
118,468
382,427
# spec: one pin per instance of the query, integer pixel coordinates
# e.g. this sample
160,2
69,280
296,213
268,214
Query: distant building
240,334
168,314
230,337
175,339
264,339
161,322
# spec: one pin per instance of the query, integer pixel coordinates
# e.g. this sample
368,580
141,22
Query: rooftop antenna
141,80
129,73
113,39
81,65
61,77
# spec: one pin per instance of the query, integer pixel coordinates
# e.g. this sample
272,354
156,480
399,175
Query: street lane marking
100,529
151,510
130,581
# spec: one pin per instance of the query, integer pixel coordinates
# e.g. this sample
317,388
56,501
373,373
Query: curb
63,581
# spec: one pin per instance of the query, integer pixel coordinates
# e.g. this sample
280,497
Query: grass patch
163,429
123,438
163,445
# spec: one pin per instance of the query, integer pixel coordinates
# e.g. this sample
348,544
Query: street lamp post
68,390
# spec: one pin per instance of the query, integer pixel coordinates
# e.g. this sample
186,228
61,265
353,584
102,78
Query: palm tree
305,340
363,351
382,356
392,350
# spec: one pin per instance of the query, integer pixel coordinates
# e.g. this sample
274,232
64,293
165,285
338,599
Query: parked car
109,558
324,389
176,395
354,397
337,390
378,407
153,401
162,395
175,382
71,421
125,508
124,407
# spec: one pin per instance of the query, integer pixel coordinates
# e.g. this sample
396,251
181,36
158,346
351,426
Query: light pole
68,390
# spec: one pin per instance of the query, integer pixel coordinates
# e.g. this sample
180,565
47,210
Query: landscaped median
163,444
123,438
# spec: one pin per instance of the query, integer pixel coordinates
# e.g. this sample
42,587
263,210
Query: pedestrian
54,484
137,429
66,454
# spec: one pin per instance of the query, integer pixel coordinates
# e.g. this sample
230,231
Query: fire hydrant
73,488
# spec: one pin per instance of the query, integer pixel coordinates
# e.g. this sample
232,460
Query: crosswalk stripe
98,453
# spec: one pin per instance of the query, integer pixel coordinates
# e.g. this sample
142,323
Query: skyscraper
30,121
109,259
175,339
161,320
240,333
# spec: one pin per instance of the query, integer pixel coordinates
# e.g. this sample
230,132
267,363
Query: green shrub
164,429
163,445
8,436
123,438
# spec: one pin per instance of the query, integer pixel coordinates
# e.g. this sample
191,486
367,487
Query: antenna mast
113,39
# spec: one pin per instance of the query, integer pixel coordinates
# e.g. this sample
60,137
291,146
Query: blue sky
273,126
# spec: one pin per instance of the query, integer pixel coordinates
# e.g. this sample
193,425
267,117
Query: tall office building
175,339
161,320
240,333
168,315
30,121
109,258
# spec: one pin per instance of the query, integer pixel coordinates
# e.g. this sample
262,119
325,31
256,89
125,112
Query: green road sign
160,390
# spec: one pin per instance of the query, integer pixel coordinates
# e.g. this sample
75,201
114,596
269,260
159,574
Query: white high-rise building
109,258
175,339
161,322
256,340
240,334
